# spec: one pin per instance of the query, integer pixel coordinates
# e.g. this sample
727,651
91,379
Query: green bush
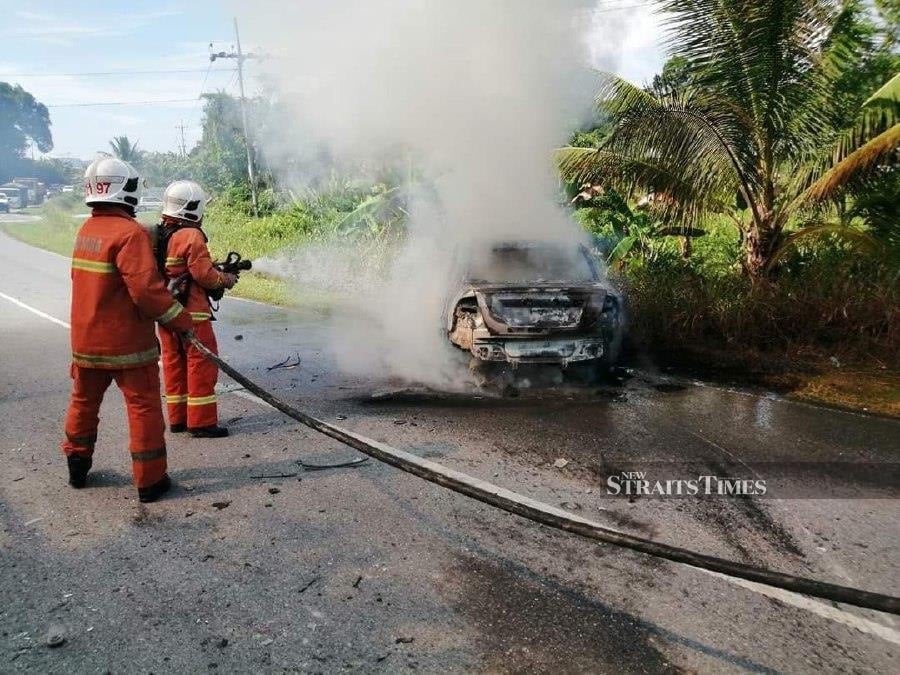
825,307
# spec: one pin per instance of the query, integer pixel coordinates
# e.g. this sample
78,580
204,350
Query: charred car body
535,302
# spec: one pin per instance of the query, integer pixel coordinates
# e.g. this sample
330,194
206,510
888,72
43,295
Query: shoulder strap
165,235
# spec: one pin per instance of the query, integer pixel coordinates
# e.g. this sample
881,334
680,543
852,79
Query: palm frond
863,159
685,203
889,93
862,241
880,113
765,57
690,145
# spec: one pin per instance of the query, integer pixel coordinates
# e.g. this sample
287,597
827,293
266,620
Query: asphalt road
370,569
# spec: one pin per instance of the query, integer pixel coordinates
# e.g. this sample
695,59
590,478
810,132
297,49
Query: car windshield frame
560,251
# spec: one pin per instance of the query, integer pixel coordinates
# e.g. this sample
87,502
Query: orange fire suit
190,379
117,294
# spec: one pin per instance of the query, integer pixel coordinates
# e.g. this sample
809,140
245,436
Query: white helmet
111,181
184,199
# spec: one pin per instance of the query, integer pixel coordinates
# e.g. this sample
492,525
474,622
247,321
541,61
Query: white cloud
640,46
66,31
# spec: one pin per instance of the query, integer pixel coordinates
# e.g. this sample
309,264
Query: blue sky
46,42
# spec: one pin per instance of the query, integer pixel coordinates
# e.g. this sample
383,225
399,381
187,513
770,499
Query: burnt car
535,302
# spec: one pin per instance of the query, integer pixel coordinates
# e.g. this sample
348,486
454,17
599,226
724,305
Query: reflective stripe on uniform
136,359
201,400
148,455
174,261
176,398
170,313
200,316
87,441
95,266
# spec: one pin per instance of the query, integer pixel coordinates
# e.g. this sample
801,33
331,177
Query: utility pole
240,56
180,127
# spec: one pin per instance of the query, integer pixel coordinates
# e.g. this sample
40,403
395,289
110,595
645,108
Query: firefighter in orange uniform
190,379
117,295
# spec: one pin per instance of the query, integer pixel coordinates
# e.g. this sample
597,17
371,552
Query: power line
603,9
98,103
105,73
196,109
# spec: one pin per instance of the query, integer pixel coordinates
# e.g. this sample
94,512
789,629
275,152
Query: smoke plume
474,94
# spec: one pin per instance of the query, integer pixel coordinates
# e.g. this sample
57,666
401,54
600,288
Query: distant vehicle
67,188
149,205
17,196
4,203
535,302
37,190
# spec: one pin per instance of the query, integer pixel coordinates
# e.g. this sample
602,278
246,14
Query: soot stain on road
525,623
747,514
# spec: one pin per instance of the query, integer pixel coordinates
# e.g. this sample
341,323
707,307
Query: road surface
373,570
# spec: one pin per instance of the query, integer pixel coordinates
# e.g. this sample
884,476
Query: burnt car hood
542,308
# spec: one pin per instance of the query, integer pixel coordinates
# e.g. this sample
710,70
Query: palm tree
752,132
124,149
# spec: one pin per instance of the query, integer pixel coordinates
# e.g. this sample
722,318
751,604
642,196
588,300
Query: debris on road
357,582
561,463
287,364
305,588
276,475
274,490
221,505
403,640
56,637
341,465
238,337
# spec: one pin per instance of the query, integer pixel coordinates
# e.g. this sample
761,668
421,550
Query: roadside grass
870,390
55,231
61,216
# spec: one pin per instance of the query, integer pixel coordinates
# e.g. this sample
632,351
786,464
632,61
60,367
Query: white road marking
795,599
243,393
33,310
817,607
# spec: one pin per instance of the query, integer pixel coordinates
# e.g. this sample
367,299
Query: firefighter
190,379
117,295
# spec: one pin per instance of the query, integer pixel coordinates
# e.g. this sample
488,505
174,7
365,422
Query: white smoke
475,93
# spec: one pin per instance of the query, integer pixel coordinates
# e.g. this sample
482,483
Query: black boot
178,428
78,470
214,431
155,491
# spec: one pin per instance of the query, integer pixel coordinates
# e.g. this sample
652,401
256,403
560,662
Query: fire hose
545,514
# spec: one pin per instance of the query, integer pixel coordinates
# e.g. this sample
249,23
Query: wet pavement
370,569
